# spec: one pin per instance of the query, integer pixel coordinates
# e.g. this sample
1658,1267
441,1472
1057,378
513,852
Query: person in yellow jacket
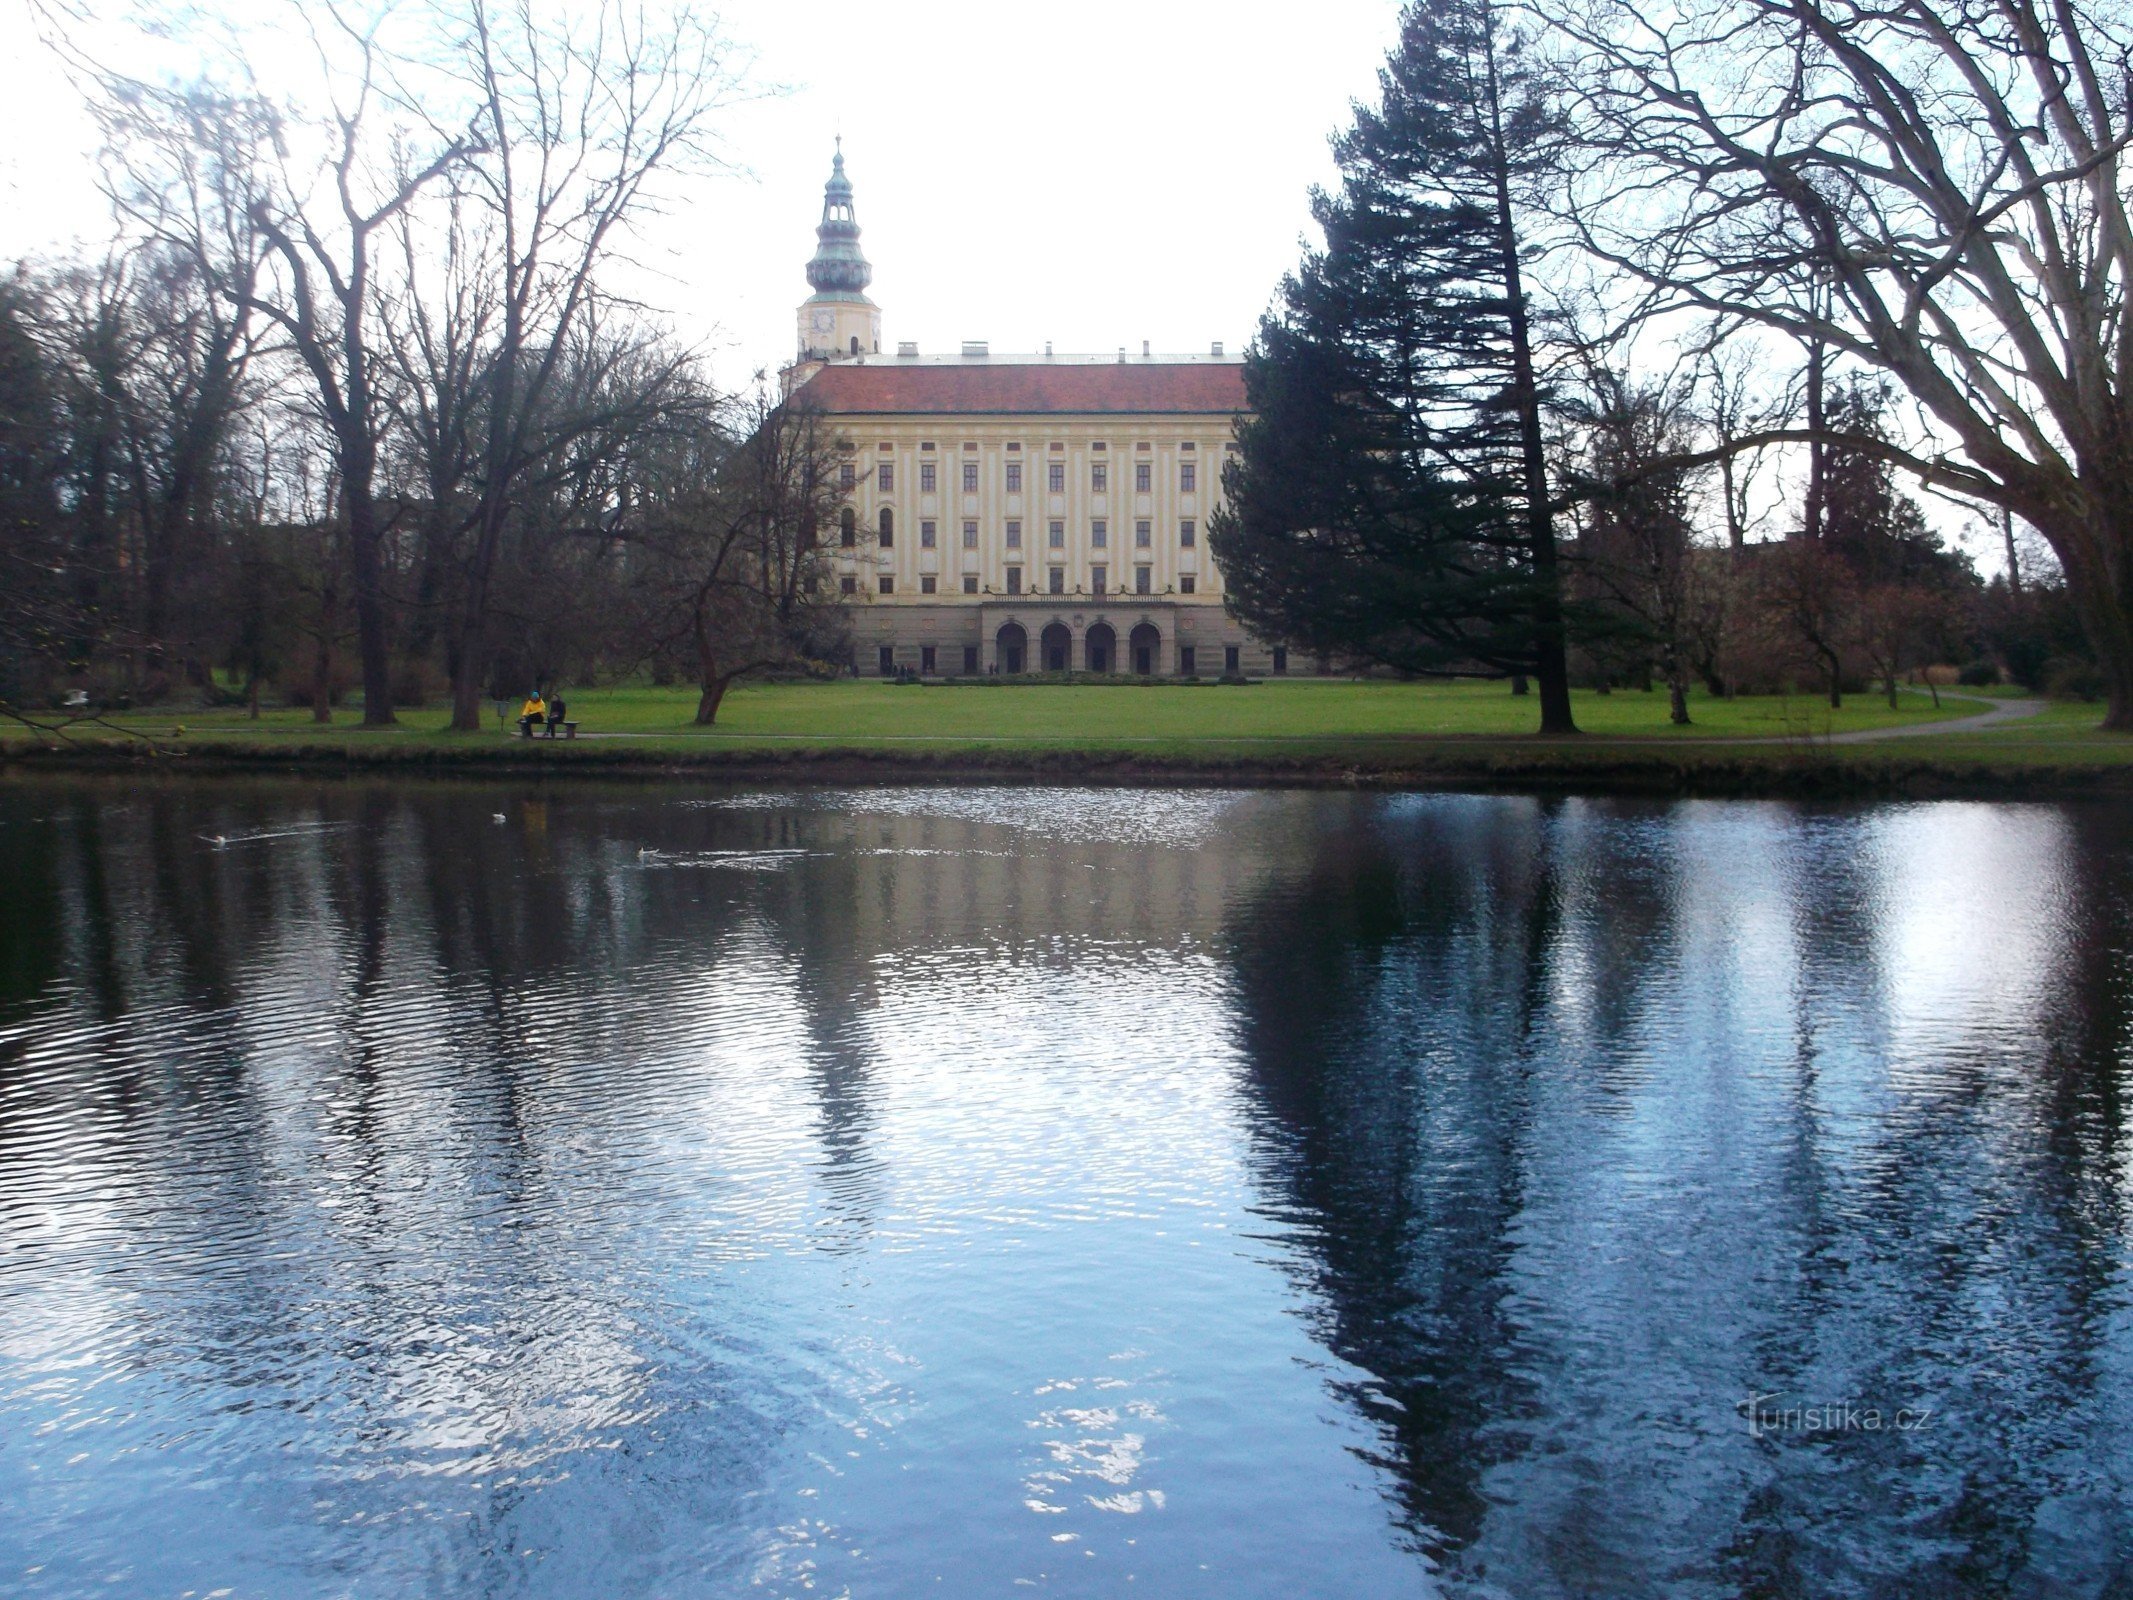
531,714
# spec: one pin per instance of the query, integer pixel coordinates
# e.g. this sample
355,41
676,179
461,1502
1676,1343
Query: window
970,477
848,527
1098,577
1186,532
928,583
885,475
1185,660
888,527
888,583
1229,660
1186,582
888,659
970,661
847,584
1281,658
1014,477
1100,477
1014,534
1059,580
927,477
926,660
1014,580
928,535
847,476
1059,477
1188,476
1055,536
970,536
970,583
1142,578
1143,477
1143,534
1100,534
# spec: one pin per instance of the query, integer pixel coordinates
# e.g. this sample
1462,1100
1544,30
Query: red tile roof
1003,388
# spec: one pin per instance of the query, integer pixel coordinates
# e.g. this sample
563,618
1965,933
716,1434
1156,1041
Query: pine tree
1390,496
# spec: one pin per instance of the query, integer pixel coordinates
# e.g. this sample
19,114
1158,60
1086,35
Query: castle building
1018,513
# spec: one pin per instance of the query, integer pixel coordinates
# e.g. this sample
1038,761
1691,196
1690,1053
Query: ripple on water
904,1190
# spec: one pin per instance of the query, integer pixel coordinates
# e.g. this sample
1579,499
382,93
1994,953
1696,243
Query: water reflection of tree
1383,997
1579,1164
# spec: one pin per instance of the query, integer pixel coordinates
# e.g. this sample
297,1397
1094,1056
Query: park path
1998,713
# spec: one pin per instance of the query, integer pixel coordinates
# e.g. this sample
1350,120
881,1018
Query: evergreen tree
1390,496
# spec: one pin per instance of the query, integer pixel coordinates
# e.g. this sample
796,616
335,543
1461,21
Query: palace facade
1019,513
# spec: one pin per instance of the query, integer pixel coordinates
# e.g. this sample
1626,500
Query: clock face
824,321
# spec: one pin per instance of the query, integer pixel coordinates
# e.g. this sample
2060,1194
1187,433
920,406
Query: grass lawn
1331,725
1086,715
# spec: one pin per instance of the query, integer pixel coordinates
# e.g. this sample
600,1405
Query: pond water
678,1191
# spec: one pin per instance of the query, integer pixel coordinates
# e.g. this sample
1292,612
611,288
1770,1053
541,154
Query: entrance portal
1014,647
1100,647
1058,647
1145,643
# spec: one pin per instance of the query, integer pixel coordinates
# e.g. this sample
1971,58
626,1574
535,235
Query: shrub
1978,675
2071,678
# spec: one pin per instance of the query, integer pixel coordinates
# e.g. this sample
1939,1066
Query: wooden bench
535,730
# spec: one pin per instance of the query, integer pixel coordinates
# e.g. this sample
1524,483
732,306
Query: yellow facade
980,538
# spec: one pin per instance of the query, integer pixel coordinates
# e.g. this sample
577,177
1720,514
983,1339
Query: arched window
848,527
888,527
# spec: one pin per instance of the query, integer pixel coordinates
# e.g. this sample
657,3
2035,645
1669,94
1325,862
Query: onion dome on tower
838,319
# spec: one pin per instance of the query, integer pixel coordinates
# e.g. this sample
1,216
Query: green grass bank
1294,731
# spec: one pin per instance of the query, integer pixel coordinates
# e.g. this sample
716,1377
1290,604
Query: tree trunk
1551,663
322,662
470,646
1889,683
369,567
1677,691
466,690
713,681
1812,520
1836,680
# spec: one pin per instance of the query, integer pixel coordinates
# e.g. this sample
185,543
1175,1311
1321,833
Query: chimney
907,347
1047,349
1122,352
976,349
1144,349
1217,350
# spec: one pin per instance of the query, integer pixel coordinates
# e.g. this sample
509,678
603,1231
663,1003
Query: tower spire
838,320
839,266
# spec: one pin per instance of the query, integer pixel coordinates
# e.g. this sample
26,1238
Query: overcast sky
1094,175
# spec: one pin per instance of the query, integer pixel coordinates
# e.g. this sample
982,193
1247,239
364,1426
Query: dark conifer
1390,500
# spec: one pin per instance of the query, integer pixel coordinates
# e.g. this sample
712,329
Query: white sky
1094,175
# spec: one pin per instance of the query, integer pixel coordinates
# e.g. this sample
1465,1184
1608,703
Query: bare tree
1934,191
576,119
736,524
1637,553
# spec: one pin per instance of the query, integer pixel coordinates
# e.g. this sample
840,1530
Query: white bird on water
496,816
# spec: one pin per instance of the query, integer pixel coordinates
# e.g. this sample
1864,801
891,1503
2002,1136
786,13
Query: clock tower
838,320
